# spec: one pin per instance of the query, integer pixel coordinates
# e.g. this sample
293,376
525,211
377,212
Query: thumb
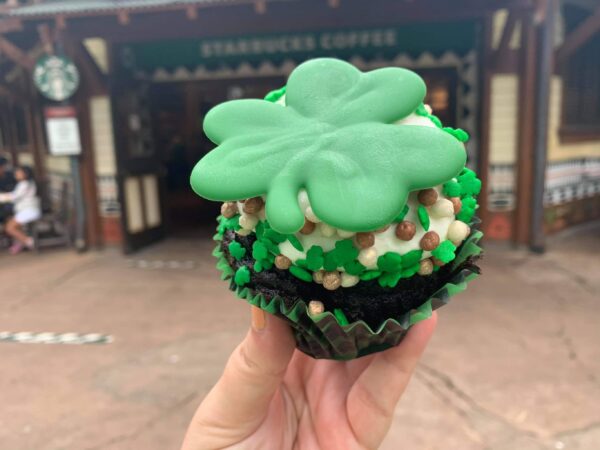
240,400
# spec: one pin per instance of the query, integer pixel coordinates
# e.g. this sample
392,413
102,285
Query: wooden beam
10,25
87,170
526,135
588,28
46,38
507,33
94,79
483,158
15,54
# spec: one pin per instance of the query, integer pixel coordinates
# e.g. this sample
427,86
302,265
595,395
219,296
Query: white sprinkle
248,221
368,257
303,200
457,232
349,280
326,230
345,234
243,232
315,307
442,208
310,215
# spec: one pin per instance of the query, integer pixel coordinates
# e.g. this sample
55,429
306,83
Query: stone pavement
514,364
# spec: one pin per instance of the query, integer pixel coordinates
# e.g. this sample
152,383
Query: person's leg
13,229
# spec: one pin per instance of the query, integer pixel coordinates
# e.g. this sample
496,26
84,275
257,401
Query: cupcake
348,210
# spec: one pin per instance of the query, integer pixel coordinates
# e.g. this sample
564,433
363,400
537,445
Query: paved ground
515,363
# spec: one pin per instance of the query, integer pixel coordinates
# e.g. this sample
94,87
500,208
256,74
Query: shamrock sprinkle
444,252
337,138
236,250
242,276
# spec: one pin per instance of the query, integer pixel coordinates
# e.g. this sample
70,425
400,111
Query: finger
373,398
239,402
356,367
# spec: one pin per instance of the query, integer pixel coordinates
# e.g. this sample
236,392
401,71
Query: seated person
7,184
26,206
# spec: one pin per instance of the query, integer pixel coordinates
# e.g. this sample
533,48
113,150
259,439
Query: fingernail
259,319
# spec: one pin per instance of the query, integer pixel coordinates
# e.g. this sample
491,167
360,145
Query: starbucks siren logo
56,77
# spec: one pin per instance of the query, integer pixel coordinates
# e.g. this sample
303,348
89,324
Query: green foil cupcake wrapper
322,336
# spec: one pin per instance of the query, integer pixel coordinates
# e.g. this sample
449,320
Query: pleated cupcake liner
322,336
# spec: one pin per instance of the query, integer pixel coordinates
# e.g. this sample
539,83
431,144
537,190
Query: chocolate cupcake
348,211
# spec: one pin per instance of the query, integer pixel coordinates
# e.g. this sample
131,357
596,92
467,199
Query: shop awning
50,8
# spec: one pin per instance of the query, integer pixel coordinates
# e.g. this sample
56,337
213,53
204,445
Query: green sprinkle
314,258
258,267
411,258
459,134
423,217
340,316
228,224
354,268
407,273
274,236
236,250
437,122
259,250
445,252
389,279
266,263
389,262
345,251
275,95
421,111
400,217
452,189
242,276
271,246
330,261
302,263
469,183
295,242
259,230
370,275
301,273
467,211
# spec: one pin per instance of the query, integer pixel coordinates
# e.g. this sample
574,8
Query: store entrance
177,112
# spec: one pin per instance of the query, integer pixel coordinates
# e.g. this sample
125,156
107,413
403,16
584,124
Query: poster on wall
62,130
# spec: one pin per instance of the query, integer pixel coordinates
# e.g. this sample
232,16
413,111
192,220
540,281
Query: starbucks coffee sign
214,53
56,77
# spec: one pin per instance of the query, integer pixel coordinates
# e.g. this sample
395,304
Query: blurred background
116,325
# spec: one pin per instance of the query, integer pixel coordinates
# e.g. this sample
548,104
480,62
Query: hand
272,396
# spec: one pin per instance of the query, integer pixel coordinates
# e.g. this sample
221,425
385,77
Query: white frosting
384,242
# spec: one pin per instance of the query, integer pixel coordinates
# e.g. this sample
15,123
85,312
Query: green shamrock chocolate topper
337,139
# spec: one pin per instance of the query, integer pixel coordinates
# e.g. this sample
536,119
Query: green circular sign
56,77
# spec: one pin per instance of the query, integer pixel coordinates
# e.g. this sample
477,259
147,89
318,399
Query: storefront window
442,85
581,85
582,88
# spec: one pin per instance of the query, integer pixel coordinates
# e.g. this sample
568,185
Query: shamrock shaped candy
336,137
